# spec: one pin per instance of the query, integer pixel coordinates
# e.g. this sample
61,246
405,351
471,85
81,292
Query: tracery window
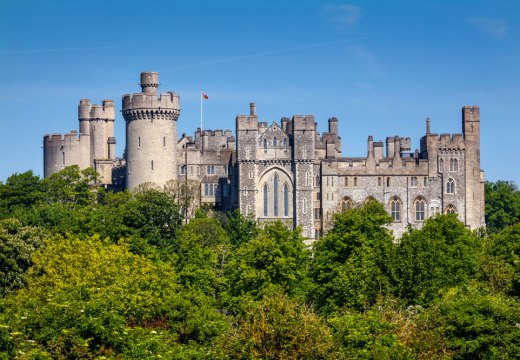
414,181
450,186
450,209
420,209
395,205
346,204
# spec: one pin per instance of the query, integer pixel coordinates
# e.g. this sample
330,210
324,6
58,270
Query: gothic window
215,189
274,141
285,200
206,190
318,196
454,165
414,181
210,169
346,204
265,144
450,209
369,199
346,182
420,209
317,183
210,190
275,194
395,205
265,199
379,181
441,165
387,181
450,186
355,182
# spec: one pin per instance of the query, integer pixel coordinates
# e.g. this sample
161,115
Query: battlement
88,111
306,122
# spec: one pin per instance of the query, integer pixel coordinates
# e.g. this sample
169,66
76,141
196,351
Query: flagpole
201,112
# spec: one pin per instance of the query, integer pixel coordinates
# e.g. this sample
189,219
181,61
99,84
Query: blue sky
381,67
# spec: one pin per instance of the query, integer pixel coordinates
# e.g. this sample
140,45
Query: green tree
352,264
88,298
276,261
502,205
440,255
71,186
20,192
468,323
239,228
277,328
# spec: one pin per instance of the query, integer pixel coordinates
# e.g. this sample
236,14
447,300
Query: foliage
278,328
468,323
87,296
502,205
239,228
20,192
352,264
276,261
17,243
70,186
442,254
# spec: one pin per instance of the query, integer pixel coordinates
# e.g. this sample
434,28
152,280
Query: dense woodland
86,273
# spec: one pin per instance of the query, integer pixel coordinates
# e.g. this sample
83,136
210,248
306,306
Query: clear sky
380,67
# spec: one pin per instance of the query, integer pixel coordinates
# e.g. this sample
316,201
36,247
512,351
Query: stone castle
286,170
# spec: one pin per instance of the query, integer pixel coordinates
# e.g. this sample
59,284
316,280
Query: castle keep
286,171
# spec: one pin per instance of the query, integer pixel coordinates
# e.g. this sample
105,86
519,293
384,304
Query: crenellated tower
151,133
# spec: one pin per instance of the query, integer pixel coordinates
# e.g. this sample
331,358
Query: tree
277,328
71,186
441,255
352,264
239,228
90,298
20,192
186,194
502,205
276,261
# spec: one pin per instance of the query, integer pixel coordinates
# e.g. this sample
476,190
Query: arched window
318,196
387,181
307,179
420,209
454,165
215,189
414,181
346,204
355,182
346,181
395,205
206,190
275,194
151,164
450,209
285,143
211,190
369,199
379,181
274,141
265,143
441,165
317,183
265,199
450,186
286,200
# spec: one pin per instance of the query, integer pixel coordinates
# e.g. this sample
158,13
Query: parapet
89,111
303,123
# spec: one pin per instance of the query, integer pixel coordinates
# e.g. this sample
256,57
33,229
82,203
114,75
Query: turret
151,133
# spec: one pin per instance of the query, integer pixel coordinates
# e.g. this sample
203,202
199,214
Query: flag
204,96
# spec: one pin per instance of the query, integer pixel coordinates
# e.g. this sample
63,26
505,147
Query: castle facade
280,171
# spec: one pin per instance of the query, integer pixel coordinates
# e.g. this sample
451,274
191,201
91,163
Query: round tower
151,134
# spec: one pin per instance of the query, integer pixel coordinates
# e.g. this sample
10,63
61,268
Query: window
210,169
441,165
285,200
316,234
395,205
211,188
414,181
355,182
285,143
265,144
450,186
420,206
346,204
316,214
307,179
225,169
215,186
139,142
318,196
182,170
378,181
425,181
274,141
63,157
317,183
387,181
450,209
164,141
275,194
346,181
151,163
454,165
206,190
265,199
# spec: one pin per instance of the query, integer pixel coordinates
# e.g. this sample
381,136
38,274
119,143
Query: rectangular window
151,163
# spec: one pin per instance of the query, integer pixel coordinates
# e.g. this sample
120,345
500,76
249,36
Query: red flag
204,96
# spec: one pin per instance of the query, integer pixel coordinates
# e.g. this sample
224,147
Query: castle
286,171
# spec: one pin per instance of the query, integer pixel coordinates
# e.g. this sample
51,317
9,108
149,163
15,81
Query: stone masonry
284,171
